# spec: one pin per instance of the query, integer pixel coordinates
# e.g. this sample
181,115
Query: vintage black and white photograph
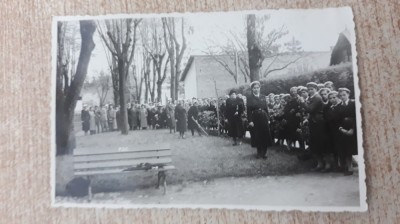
244,110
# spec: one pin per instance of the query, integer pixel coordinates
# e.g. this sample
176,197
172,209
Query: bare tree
175,51
156,48
102,85
121,42
67,92
234,55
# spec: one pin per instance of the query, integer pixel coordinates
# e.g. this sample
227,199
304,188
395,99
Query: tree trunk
65,109
255,56
177,76
172,64
159,88
122,101
115,81
153,88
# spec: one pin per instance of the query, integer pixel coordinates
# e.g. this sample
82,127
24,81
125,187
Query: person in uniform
180,116
332,117
320,86
193,116
348,131
329,85
233,116
314,106
258,118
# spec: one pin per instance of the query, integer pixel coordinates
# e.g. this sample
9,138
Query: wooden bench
106,160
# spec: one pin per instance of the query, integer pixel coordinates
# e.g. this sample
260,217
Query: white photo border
363,207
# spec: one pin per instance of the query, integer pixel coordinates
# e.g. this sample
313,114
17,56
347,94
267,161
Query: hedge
341,76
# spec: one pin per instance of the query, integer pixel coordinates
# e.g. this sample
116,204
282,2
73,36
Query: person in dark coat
180,116
233,116
333,119
314,106
293,121
85,117
348,131
257,112
129,112
193,116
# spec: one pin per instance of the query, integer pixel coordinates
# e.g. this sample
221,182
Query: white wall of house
191,82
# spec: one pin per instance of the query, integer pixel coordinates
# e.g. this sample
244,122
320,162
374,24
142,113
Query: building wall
208,70
190,82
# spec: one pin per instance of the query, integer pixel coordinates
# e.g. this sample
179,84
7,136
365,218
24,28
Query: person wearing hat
347,130
257,112
314,106
329,85
333,120
323,92
320,86
233,117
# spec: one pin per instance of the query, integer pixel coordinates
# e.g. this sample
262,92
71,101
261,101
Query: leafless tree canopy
236,48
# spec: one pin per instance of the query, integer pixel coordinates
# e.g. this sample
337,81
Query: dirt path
311,189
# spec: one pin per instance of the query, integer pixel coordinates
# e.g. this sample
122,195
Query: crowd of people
314,117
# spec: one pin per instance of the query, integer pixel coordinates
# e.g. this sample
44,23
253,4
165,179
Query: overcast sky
316,29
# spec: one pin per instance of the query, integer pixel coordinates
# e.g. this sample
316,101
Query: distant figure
98,118
234,111
118,118
85,117
103,119
134,113
112,123
193,116
180,115
143,117
171,118
92,123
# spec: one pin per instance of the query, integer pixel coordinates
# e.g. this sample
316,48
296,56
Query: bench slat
120,163
112,171
119,149
121,156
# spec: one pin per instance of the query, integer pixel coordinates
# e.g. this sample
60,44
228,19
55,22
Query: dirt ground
298,190
211,171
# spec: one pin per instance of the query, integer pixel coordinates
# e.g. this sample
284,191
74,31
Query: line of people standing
315,115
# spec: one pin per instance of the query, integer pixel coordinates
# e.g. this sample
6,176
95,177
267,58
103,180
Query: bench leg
160,176
165,184
89,189
162,179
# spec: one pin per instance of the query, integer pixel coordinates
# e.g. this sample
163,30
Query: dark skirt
85,126
317,137
181,124
235,125
260,131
